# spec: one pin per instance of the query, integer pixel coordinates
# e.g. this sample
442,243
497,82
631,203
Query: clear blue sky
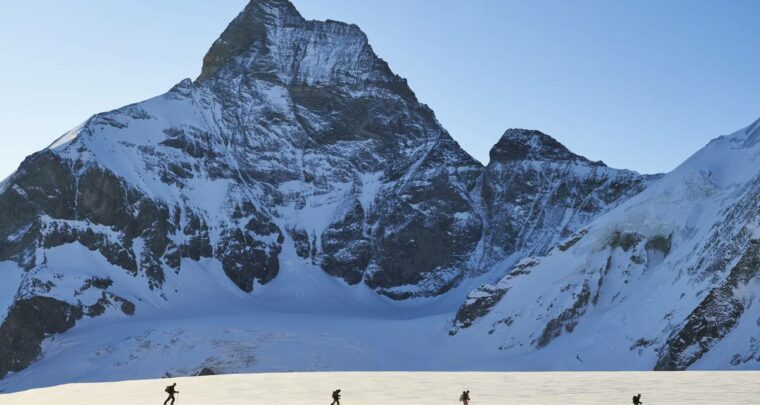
640,84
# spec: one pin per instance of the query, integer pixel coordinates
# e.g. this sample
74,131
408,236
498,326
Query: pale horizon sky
638,84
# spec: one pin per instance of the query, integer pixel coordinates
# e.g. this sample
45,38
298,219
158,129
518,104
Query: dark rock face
570,242
478,304
205,371
246,258
302,242
538,193
481,301
28,322
40,175
426,231
102,200
715,316
106,300
518,145
567,320
346,251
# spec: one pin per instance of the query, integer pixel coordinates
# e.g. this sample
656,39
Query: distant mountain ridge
667,280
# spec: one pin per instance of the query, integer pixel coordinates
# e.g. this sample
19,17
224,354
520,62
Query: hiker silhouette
637,400
336,397
465,397
171,391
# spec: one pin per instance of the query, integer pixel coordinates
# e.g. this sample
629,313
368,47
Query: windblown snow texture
298,174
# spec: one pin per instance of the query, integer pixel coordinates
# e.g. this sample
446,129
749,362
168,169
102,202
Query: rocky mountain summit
537,193
298,156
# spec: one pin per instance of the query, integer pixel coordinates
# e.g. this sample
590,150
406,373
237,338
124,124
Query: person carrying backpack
336,397
171,391
637,400
465,397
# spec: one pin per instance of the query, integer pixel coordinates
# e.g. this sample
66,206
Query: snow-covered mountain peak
270,40
526,144
296,166
726,162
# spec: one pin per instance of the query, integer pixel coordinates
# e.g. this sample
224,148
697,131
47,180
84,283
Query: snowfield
362,388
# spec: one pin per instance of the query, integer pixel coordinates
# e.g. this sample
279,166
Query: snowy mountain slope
295,165
667,280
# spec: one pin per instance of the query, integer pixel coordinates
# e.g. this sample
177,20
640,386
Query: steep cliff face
296,147
538,193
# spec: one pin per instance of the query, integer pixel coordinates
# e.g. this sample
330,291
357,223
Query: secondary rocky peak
527,144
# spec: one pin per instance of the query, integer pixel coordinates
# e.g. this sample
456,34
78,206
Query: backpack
168,389
461,397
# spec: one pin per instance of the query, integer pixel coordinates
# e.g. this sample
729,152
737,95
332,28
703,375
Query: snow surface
693,388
